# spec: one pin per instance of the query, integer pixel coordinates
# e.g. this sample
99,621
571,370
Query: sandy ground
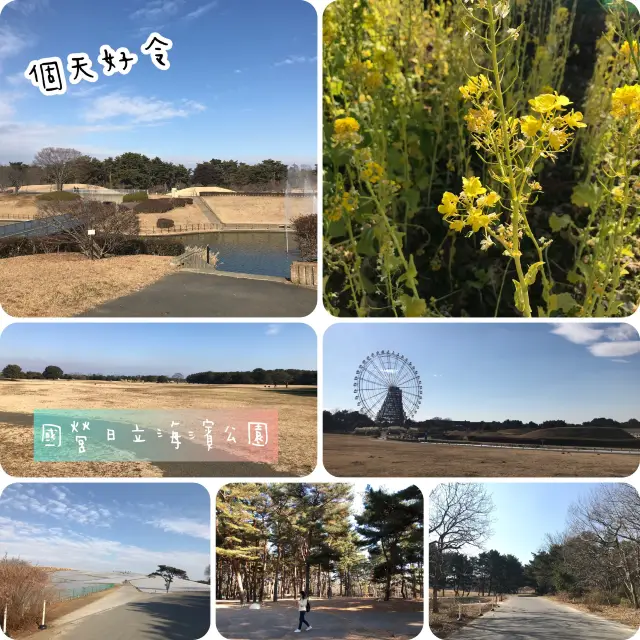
257,209
297,419
39,188
192,192
188,215
355,456
67,284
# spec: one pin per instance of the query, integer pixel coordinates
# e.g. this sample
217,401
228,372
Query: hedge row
14,247
161,205
165,223
138,196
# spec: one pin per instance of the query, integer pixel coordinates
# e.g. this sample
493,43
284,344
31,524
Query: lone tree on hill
59,163
52,372
12,372
178,377
168,574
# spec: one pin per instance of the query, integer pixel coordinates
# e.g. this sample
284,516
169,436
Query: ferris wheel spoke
400,374
378,376
382,372
409,375
376,382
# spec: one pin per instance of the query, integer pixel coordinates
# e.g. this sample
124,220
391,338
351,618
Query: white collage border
320,321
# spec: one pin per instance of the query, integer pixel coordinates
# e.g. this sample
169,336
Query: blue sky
242,83
525,513
108,526
489,371
158,348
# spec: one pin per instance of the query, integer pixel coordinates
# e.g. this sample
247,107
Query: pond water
258,253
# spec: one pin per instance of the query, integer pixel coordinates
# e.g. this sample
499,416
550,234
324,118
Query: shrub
162,205
58,196
138,196
14,247
23,588
165,223
306,232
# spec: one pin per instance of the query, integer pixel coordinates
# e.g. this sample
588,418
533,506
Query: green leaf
562,302
366,243
413,307
412,198
336,229
532,273
573,277
558,223
410,276
585,195
519,296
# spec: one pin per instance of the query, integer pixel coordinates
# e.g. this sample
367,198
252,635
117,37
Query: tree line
274,540
344,421
257,376
57,166
597,558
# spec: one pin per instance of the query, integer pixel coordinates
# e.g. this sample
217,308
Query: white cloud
272,330
64,547
295,60
11,42
200,11
156,9
578,333
615,349
183,526
621,332
17,79
139,109
621,360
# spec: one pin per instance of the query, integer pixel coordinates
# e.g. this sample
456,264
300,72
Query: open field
297,419
189,214
44,188
356,456
16,207
337,618
257,209
67,284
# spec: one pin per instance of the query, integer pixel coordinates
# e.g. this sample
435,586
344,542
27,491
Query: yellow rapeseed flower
472,187
548,102
574,120
530,126
625,101
346,125
372,172
449,205
477,220
618,194
457,225
349,201
625,49
490,200
557,139
476,86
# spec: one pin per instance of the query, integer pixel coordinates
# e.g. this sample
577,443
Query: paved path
207,211
277,621
533,618
178,616
192,295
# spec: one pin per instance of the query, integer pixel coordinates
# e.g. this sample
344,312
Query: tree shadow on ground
178,617
313,392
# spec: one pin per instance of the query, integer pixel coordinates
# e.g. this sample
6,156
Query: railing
17,216
72,594
210,227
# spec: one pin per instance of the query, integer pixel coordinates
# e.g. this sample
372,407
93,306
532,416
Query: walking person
303,608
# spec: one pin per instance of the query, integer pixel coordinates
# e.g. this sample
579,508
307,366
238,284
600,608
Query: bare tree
459,516
4,178
58,162
610,516
72,220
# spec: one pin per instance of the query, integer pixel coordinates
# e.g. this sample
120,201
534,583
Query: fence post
4,626
459,612
44,610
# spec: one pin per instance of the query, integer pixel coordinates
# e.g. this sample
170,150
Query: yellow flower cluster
625,49
625,101
476,87
551,124
479,120
469,208
345,131
372,172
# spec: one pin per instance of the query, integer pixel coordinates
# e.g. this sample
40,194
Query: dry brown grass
623,615
189,214
17,207
347,455
445,622
23,588
257,209
297,419
67,284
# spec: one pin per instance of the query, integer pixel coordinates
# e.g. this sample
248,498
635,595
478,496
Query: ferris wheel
387,388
